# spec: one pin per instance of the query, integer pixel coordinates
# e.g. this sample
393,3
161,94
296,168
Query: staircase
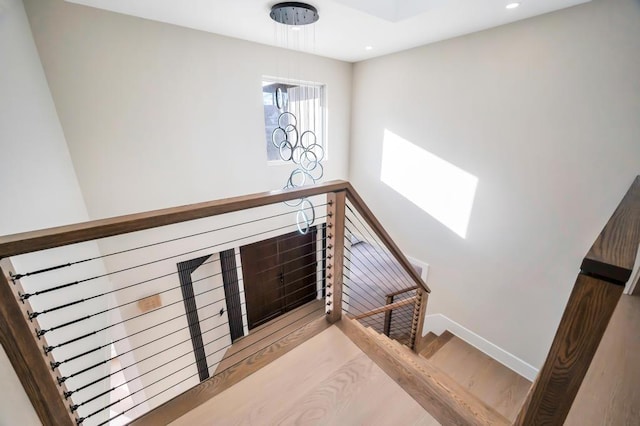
496,385
57,320
451,379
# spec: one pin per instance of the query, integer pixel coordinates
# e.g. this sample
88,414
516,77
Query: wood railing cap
373,222
613,254
26,242
399,292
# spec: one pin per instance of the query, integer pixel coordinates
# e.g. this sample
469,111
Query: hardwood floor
496,385
327,380
267,334
446,400
610,392
199,394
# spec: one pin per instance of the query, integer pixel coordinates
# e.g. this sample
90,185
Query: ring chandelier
303,150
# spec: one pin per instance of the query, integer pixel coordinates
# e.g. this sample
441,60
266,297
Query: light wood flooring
446,400
610,393
269,333
325,381
496,385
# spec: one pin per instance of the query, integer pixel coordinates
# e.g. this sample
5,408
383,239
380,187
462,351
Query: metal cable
357,216
52,347
399,277
66,305
82,419
166,363
351,280
371,306
377,290
52,268
60,287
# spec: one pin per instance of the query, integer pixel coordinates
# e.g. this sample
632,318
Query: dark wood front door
279,275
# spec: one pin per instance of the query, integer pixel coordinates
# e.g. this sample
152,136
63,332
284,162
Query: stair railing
603,274
103,322
388,315
383,290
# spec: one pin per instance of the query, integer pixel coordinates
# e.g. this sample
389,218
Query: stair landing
326,380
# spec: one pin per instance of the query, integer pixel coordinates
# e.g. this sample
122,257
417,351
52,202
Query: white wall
157,115
544,112
37,179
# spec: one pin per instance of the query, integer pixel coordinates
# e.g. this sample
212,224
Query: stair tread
433,389
436,344
430,337
382,336
495,384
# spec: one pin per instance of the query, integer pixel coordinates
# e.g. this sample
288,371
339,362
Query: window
290,110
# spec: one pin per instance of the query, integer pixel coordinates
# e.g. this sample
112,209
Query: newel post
581,328
417,323
335,254
25,352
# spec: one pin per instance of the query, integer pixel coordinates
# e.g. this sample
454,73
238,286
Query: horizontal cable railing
379,292
115,360
139,318
118,320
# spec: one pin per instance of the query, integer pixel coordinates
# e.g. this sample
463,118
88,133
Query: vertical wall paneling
232,292
184,273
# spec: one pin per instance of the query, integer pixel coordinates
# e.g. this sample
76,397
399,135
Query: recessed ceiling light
368,48
512,5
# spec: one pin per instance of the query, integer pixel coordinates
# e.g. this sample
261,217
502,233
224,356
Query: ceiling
345,28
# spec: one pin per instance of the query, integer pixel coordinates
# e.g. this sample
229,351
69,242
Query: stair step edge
433,378
437,344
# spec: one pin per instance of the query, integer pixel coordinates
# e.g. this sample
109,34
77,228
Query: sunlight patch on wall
441,189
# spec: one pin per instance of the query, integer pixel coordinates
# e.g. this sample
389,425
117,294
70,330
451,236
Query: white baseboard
438,323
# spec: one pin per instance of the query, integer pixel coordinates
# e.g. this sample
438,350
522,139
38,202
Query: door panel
298,256
279,275
261,275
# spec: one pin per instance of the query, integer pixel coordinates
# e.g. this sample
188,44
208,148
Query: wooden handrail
52,403
26,242
613,254
373,222
598,287
588,311
386,308
404,290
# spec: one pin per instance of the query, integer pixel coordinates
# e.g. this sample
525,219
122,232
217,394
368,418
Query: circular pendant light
294,13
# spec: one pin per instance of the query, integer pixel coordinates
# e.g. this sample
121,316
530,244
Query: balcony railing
140,318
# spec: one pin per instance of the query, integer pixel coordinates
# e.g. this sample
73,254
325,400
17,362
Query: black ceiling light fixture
294,13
